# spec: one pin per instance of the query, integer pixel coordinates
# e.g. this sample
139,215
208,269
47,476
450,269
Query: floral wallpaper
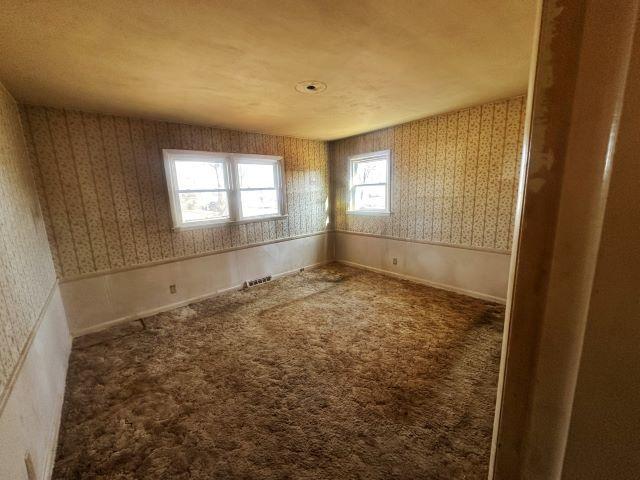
104,205
26,272
454,177
102,186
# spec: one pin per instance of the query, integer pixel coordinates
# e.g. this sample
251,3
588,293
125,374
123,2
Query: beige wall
26,272
101,184
108,217
454,185
477,273
98,301
34,339
30,419
454,177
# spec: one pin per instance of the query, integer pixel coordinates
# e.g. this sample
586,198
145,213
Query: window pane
259,202
374,171
194,175
256,175
198,206
370,198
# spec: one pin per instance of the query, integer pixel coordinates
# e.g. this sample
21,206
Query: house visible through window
208,188
369,183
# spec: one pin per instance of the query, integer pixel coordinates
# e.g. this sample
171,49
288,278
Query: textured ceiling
236,63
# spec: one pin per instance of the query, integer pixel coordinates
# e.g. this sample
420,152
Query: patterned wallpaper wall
454,177
101,184
102,188
26,271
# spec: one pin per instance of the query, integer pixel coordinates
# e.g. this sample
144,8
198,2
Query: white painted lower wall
478,273
96,302
30,418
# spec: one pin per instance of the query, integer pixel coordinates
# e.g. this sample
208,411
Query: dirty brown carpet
333,373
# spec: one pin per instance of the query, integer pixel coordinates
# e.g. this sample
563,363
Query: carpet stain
332,373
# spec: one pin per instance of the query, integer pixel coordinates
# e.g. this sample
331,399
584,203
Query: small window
208,188
369,183
259,186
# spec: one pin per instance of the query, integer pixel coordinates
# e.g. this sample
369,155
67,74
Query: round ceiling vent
311,86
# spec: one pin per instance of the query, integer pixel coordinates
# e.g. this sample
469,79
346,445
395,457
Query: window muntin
369,183
208,188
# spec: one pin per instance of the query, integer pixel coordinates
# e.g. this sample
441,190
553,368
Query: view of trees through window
222,187
369,187
202,190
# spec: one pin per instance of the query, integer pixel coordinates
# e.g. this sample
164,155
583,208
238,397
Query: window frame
363,158
237,159
233,190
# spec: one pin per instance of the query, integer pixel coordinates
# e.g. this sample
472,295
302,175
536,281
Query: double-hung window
208,188
370,183
259,180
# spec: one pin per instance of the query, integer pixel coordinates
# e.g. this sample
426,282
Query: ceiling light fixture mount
311,86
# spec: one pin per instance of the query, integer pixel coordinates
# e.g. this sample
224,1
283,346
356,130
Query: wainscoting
98,301
30,416
478,273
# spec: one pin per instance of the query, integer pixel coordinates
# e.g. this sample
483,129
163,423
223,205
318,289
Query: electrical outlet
395,261
172,289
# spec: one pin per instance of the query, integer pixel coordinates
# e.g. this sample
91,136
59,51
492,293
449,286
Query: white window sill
381,213
220,223
259,219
